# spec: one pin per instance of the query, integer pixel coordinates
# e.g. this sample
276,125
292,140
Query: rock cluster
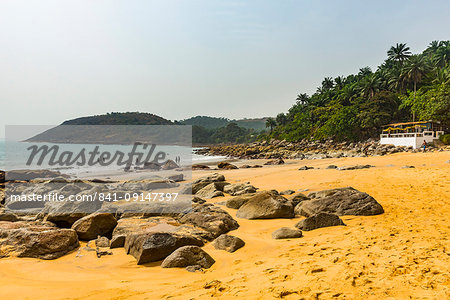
276,150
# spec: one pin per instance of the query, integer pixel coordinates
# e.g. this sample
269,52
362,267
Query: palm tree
302,99
363,72
327,83
339,82
270,122
281,119
415,68
399,52
442,56
370,85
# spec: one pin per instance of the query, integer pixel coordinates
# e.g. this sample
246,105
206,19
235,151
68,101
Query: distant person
424,145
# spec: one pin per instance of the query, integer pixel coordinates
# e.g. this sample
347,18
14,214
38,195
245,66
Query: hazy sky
64,59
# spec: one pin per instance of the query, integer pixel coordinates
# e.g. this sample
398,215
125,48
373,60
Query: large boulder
214,189
318,221
20,239
188,256
228,243
266,205
169,165
237,201
239,189
127,226
91,226
202,182
155,246
211,218
341,201
286,233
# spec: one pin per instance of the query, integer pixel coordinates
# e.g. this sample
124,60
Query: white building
411,133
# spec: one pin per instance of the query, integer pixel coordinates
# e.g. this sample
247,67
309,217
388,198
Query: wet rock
93,225
278,161
188,256
341,201
304,168
200,167
286,233
357,167
228,243
226,166
266,205
20,239
318,221
408,167
332,167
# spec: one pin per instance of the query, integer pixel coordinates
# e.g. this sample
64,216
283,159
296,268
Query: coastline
399,254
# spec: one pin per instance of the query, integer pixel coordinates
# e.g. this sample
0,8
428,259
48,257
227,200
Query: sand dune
401,254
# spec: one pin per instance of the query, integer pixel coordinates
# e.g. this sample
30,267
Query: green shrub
445,139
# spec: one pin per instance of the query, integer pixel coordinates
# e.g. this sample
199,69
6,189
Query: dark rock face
238,201
228,243
239,189
266,205
91,226
188,256
357,167
155,246
304,168
37,241
286,233
297,198
318,221
341,201
278,161
211,218
226,166
200,167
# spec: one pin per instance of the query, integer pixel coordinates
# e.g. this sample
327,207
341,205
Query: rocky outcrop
297,198
210,218
266,205
341,201
214,189
155,246
188,256
286,233
21,239
228,243
318,221
97,224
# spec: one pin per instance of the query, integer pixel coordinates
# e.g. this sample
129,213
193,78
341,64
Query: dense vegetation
116,118
404,87
232,133
214,122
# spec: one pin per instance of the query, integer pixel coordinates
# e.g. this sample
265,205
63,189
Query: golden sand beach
401,254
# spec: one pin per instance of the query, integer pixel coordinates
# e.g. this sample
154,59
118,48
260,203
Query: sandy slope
401,254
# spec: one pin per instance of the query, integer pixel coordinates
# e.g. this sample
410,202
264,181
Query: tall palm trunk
414,113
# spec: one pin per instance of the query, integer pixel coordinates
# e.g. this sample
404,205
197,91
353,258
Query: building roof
410,123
